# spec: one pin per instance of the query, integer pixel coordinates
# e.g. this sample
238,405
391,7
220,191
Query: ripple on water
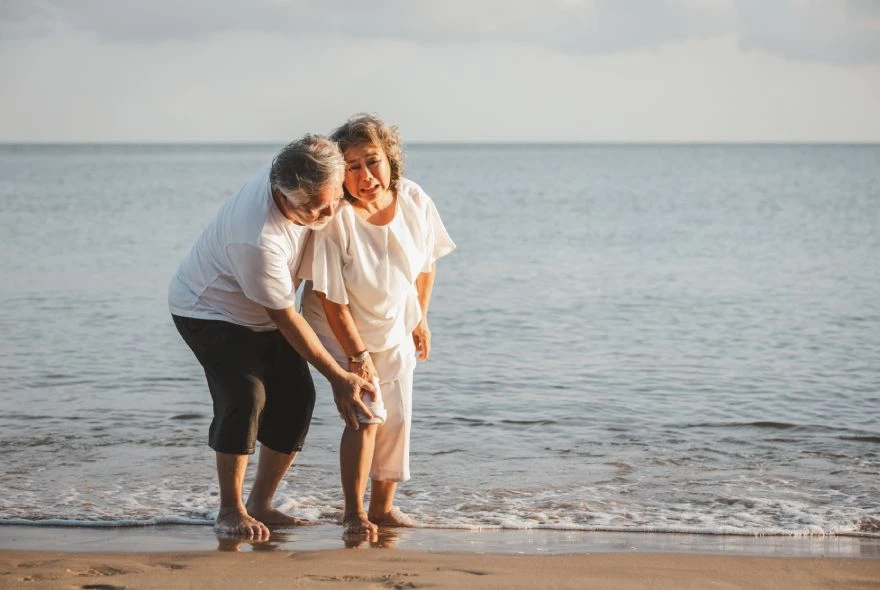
191,416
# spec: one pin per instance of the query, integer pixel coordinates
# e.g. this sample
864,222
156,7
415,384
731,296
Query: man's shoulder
254,188
244,216
283,239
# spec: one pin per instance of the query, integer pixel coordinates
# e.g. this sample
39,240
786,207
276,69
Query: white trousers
396,367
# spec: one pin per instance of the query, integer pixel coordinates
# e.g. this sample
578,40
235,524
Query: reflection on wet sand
225,543
385,538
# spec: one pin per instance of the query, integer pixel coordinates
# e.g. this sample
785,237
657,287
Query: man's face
318,212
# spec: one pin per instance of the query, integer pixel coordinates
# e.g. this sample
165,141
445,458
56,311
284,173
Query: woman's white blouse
373,268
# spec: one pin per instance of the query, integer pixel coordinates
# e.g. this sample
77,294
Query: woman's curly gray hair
364,128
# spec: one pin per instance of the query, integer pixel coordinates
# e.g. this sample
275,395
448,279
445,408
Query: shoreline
324,537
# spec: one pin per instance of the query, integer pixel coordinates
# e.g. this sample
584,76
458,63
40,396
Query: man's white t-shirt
373,268
244,261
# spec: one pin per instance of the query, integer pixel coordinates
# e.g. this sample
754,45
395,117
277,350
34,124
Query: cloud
580,26
836,31
21,19
130,21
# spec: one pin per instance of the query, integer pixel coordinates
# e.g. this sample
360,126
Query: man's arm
346,386
342,324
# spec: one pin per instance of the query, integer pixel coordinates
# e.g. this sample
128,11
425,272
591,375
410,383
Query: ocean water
667,338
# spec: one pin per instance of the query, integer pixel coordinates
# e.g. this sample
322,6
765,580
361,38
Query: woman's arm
342,324
422,334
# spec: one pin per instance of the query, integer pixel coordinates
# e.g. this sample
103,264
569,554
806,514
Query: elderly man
233,301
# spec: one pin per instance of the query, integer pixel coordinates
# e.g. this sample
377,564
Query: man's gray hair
305,166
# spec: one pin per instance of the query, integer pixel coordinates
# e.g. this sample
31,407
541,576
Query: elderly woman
371,278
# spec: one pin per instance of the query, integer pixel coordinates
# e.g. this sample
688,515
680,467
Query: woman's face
367,172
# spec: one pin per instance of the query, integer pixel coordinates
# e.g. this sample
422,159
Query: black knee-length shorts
261,387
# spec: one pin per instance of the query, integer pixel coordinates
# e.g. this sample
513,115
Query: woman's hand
364,369
422,339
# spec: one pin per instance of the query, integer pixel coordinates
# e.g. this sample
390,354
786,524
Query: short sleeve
438,243
263,275
327,264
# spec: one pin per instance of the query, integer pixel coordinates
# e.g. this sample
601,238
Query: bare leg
233,519
355,458
382,509
270,471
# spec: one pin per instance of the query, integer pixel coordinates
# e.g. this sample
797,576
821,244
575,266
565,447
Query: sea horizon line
450,143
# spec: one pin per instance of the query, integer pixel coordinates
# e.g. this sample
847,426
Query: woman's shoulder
341,222
411,192
345,211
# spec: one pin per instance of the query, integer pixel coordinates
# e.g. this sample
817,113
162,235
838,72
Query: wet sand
318,557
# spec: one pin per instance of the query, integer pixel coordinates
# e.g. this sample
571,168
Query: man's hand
347,390
346,386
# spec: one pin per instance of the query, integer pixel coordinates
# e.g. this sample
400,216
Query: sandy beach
317,557
353,568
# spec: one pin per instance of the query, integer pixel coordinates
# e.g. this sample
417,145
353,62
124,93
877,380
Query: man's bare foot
394,517
272,517
357,523
232,521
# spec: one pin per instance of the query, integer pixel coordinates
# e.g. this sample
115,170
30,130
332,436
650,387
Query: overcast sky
444,70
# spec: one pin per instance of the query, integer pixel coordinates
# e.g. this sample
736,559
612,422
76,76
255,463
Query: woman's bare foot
273,517
357,523
235,522
394,517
